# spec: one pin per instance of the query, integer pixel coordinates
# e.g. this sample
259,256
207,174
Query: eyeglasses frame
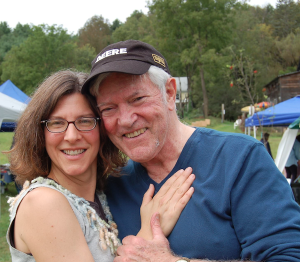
71,122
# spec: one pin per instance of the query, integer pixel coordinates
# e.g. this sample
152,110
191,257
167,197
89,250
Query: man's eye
138,98
106,109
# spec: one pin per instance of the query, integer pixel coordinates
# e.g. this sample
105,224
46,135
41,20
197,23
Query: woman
62,215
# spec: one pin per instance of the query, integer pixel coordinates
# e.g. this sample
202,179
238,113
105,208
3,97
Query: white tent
285,147
286,144
10,109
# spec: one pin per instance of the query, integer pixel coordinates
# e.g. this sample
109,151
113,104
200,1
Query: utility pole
223,112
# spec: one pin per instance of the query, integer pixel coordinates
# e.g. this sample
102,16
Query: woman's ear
171,93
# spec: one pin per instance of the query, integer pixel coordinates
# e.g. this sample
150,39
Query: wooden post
223,112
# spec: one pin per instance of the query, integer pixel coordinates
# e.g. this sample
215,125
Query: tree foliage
96,32
46,50
138,27
194,27
286,17
115,24
200,39
13,38
4,29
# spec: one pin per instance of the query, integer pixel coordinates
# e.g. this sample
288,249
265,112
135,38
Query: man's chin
140,157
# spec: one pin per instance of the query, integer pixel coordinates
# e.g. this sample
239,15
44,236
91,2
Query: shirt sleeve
265,216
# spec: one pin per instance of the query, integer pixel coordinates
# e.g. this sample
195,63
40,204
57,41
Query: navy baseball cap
130,57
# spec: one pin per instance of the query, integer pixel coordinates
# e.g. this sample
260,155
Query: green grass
5,143
4,222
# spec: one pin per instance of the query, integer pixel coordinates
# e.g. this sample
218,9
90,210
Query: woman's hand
169,202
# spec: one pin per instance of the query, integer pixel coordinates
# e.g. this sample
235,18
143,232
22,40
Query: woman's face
73,153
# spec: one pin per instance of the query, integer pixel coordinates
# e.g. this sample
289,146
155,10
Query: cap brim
133,67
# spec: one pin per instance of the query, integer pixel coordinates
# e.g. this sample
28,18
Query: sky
72,14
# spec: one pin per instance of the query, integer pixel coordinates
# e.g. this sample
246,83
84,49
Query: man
236,212
265,141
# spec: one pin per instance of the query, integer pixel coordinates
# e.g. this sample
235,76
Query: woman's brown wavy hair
28,157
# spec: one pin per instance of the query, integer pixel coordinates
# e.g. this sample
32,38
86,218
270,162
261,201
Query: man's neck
159,167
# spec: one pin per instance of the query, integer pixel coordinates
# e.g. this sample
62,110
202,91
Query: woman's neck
81,186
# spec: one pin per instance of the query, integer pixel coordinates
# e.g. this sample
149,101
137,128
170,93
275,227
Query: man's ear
171,93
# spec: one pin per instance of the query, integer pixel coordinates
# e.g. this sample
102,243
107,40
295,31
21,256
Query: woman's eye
57,122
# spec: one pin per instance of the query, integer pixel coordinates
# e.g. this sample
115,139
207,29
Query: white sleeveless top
100,236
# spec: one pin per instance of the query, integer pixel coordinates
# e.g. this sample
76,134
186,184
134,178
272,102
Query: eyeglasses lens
60,125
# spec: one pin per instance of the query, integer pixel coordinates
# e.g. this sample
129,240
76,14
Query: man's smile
136,133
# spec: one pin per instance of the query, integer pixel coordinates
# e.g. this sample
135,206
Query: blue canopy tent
282,114
10,90
287,114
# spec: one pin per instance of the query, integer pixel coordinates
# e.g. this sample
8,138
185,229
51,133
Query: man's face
134,115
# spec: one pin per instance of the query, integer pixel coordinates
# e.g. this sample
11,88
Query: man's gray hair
157,76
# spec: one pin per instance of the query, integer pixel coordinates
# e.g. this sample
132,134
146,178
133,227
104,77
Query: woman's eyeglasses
61,125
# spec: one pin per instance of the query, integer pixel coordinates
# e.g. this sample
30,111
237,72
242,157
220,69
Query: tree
13,38
137,27
194,26
286,17
289,51
46,50
96,32
4,29
116,23
242,74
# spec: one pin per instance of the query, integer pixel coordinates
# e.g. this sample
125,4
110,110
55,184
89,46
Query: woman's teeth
73,152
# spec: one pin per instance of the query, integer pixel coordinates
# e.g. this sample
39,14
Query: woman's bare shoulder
42,198
44,221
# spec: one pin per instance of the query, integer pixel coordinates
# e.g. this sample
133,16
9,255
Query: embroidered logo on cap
111,52
159,60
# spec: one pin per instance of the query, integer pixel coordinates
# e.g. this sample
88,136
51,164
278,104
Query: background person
265,141
62,215
18,186
233,214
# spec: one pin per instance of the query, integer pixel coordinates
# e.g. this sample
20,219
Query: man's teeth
136,133
73,152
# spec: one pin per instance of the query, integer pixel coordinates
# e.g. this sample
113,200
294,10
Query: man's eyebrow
136,93
101,104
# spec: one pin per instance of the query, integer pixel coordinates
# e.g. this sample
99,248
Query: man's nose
127,116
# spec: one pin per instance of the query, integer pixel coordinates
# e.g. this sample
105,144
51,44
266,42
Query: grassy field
4,222
5,143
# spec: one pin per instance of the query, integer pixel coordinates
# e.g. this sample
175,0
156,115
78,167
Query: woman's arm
47,227
169,202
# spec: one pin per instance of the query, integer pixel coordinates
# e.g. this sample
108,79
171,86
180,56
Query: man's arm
155,250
